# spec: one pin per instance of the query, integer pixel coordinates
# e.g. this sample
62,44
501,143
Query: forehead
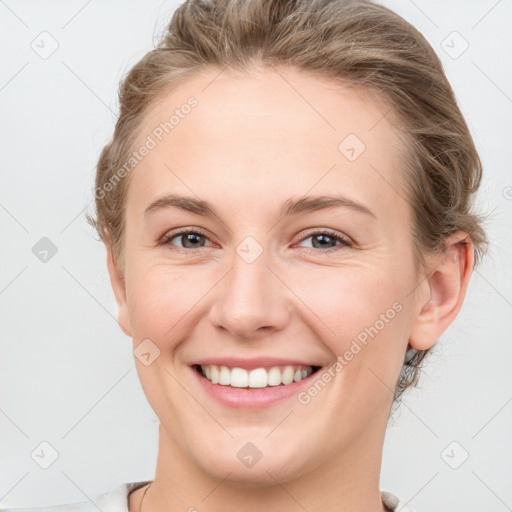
266,130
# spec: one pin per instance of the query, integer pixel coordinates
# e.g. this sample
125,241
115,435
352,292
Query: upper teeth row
257,378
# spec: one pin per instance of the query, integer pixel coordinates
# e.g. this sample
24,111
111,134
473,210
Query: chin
244,465
260,476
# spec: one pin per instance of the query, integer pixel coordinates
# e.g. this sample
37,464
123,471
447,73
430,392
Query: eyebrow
290,207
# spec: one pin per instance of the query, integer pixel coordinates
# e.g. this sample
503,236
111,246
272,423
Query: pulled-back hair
359,43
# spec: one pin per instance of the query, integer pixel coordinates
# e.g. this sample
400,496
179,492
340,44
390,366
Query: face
268,245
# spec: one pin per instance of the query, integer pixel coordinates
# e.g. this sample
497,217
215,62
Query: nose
251,301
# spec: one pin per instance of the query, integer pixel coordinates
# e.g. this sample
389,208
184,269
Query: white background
67,371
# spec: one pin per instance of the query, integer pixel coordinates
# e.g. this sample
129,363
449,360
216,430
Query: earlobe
119,288
445,289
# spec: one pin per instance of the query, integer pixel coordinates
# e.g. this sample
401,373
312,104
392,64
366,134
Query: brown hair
357,42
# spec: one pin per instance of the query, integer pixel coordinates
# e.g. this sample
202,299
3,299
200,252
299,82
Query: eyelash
344,242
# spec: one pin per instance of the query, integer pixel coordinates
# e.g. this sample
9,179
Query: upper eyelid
169,236
319,231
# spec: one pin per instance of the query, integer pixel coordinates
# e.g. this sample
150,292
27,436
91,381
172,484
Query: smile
255,378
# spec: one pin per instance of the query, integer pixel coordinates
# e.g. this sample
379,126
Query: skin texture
255,140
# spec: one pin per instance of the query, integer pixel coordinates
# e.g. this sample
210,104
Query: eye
188,239
327,240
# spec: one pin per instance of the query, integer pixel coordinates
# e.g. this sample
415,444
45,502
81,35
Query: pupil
191,238
322,237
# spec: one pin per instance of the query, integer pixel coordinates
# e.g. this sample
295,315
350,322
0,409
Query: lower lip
251,398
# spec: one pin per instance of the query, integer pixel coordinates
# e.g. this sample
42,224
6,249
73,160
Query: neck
347,481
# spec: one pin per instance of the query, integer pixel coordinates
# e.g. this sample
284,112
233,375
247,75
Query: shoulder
114,500
393,503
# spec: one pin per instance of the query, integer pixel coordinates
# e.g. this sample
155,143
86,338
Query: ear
441,294
119,288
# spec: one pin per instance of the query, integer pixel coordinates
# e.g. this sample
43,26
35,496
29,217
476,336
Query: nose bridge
251,300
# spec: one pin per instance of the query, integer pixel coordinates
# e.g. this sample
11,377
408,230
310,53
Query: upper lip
251,363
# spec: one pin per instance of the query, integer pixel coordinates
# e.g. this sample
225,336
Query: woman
286,208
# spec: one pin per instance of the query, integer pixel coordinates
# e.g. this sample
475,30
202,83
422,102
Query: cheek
162,300
363,320
348,301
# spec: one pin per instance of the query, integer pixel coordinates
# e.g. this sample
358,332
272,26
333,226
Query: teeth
287,375
274,376
239,378
224,376
214,372
257,378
